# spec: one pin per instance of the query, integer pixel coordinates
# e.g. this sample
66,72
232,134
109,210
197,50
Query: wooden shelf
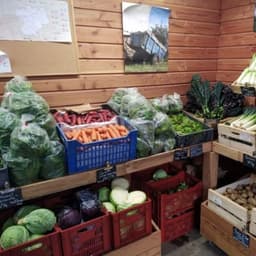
43,188
227,151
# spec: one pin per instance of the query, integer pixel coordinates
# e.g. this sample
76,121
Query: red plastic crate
89,238
138,179
47,245
178,226
131,224
165,205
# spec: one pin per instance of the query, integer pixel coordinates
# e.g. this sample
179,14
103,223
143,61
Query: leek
246,121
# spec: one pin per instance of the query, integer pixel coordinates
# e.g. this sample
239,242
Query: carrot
85,139
121,128
111,133
114,131
123,133
76,134
69,134
94,134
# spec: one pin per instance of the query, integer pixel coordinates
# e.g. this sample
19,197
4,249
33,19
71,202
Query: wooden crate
228,209
252,226
220,231
236,138
149,245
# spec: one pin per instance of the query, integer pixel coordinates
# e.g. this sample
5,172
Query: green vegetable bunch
210,101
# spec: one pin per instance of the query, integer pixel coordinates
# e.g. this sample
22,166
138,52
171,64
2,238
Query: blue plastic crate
83,157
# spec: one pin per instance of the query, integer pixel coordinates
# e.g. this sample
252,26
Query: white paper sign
5,65
35,20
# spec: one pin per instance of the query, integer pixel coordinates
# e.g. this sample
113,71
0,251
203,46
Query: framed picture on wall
254,20
145,37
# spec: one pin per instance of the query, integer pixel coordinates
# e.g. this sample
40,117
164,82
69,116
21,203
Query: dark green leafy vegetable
54,163
143,149
18,84
22,170
8,121
30,139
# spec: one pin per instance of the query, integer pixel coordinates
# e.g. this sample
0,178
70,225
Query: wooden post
210,171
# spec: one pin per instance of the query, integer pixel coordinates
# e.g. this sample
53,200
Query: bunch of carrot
87,135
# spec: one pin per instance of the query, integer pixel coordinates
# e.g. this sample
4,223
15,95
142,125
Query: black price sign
249,161
181,154
248,91
196,150
108,173
10,197
241,237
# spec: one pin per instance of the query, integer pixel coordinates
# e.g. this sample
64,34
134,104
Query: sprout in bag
175,103
18,84
29,139
161,104
163,125
54,163
22,170
8,121
25,103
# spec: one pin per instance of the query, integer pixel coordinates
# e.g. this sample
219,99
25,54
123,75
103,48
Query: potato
244,195
233,197
241,201
229,190
239,187
250,194
252,201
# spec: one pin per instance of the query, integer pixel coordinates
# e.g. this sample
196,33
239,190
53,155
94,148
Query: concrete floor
191,245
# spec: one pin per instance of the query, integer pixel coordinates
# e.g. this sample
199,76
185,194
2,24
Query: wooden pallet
220,231
236,138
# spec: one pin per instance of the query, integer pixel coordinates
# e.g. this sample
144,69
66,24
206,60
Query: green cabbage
14,235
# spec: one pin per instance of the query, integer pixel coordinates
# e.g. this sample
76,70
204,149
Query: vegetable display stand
131,224
47,245
169,204
221,232
83,157
237,138
149,245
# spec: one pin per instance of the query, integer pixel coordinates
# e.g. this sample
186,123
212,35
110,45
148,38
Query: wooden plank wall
237,41
193,42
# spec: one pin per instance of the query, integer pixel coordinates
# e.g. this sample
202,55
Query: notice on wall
5,65
35,20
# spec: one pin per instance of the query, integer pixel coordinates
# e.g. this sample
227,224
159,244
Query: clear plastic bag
18,84
29,139
25,103
175,103
54,163
163,125
8,121
22,170
161,104
143,149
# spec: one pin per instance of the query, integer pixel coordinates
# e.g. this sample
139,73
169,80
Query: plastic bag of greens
143,149
146,130
8,121
25,103
169,143
48,123
161,104
116,99
54,164
158,146
163,125
18,84
29,139
22,170
124,108
141,108
175,103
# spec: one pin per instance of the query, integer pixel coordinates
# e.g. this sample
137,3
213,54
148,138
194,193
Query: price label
181,154
248,91
10,197
243,238
108,173
249,161
196,150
